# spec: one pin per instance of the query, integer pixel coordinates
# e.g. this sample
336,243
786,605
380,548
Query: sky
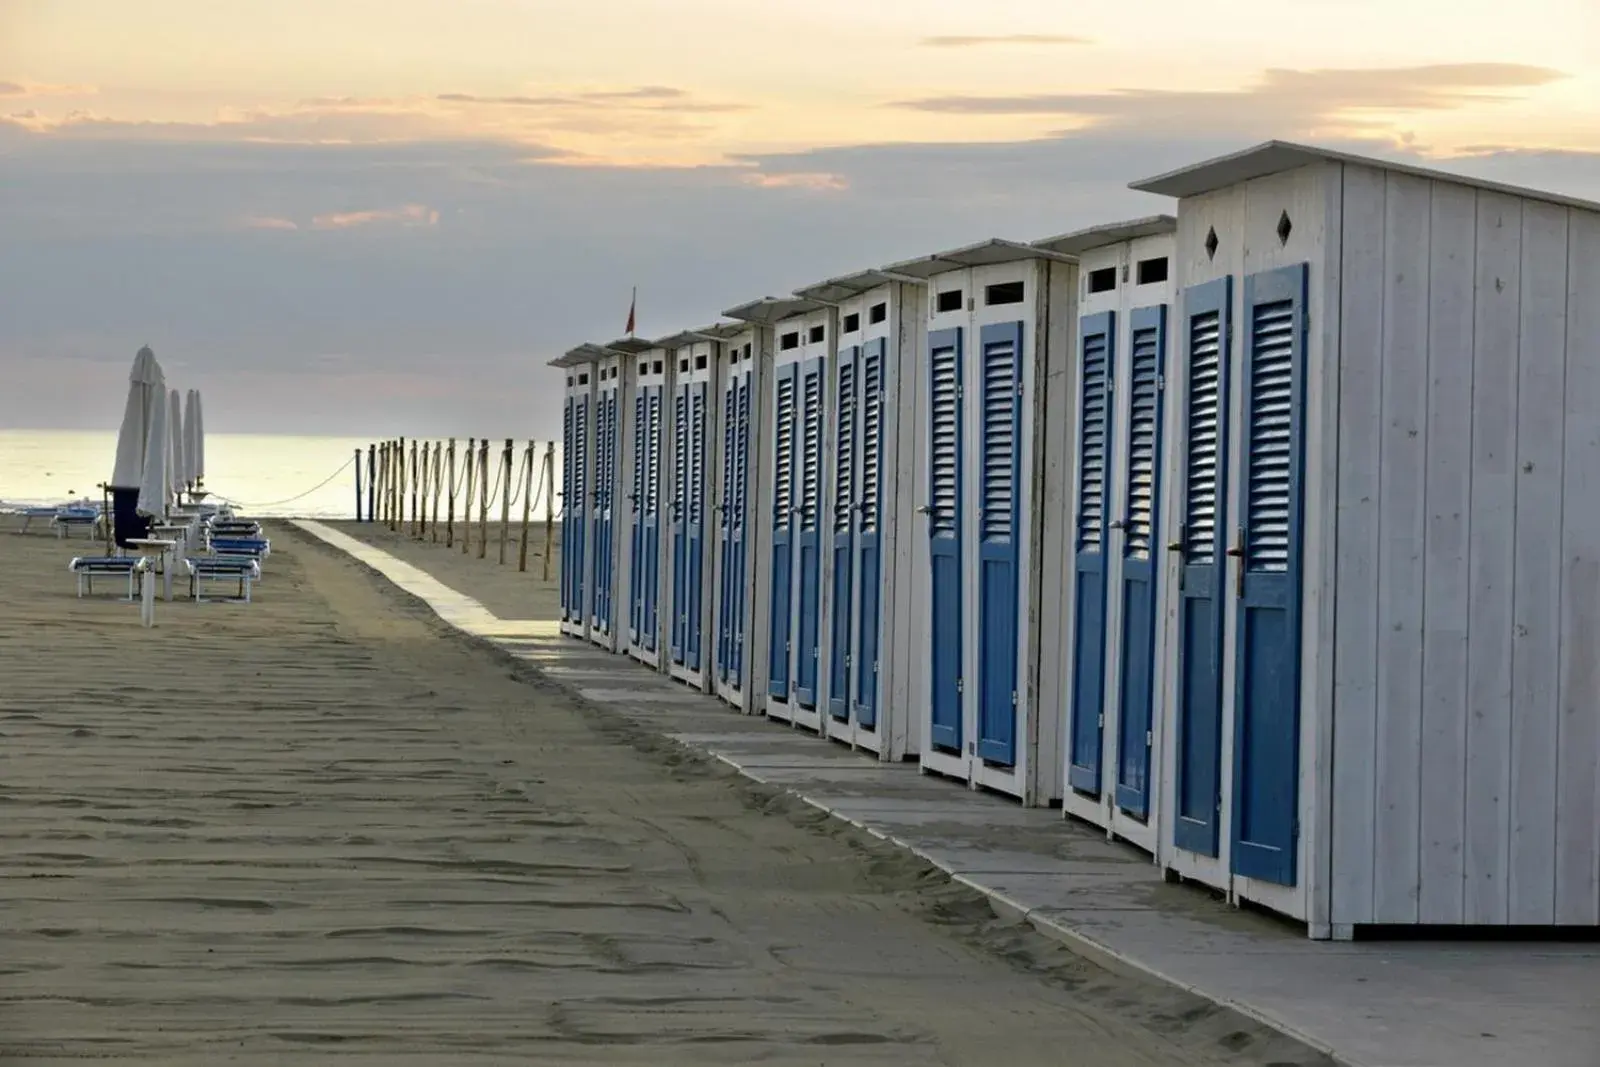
383,217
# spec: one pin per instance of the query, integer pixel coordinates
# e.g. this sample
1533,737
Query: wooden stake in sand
549,503
400,488
483,499
438,465
383,475
427,483
527,506
505,500
466,506
450,516
413,488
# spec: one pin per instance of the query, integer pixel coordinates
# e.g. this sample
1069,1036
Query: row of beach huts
1264,535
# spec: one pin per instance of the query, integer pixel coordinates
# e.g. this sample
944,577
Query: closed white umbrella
195,424
191,438
176,476
146,392
153,483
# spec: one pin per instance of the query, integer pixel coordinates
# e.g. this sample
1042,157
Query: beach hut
994,373
803,332
646,565
739,591
867,604
1104,667
607,515
577,487
1383,521
694,454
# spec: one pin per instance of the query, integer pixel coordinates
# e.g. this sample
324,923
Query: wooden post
438,459
549,504
383,471
422,521
372,480
483,498
412,528
450,516
527,507
400,488
466,506
358,485
505,501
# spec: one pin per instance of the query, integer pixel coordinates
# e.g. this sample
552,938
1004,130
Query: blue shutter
1139,575
636,502
1266,755
844,506
740,515
1000,494
578,505
784,417
1206,338
808,542
680,492
652,518
726,589
604,456
868,620
696,519
567,606
944,535
1097,346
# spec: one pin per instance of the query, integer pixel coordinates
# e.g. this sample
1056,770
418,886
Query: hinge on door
1102,720
874,666
814,652
1230,332
960,684
1019,388
1013,698
1161,382
847,659
1149,738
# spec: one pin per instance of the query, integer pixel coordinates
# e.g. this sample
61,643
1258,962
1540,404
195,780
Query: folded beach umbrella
176,476
146,392
194,424
154,482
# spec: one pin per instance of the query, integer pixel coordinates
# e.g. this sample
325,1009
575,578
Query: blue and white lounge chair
204,569
256,548
82,518
133,568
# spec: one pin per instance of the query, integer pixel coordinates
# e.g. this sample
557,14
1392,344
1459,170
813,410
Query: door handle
1238,553
924,509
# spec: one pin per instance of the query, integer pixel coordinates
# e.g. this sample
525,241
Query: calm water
264,475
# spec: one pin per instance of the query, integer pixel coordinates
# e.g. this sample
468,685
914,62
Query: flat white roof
845,286
983,254
770,309
576,357
1109,233
1275,157
631,346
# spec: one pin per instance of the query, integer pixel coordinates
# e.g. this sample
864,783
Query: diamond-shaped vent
1211,243
1285,227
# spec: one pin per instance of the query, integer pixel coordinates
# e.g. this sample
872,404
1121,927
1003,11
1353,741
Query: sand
322,828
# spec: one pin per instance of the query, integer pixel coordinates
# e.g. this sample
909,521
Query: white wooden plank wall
1467,694
1577,828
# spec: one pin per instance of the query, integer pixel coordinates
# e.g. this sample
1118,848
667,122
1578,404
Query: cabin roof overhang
842,288
632,346
984,254
1276,157
1078,242
771,309
582,355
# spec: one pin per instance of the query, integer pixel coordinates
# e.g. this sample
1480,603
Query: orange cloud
28,88
267,222
815,181
976,41
409,215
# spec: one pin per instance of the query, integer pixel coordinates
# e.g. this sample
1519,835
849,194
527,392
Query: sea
269,476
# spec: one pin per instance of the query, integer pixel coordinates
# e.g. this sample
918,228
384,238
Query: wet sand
322,828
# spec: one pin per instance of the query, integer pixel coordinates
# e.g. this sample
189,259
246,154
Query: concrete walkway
1428,1004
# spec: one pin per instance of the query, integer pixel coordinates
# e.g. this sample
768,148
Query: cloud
1283,101
818,181
267,222
409,215
1008,38
36,89
655,98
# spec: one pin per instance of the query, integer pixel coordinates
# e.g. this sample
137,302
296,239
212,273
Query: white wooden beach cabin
643,612
577,467
610,518
1386,709
803,333
741,578
995,372
694,453
1105,665
870,500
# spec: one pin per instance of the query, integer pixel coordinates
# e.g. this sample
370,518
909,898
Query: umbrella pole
549,504
483,498
450,515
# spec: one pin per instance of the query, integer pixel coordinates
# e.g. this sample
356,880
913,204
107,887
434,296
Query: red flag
633,306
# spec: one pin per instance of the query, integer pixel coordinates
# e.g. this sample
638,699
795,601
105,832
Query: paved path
1425,1004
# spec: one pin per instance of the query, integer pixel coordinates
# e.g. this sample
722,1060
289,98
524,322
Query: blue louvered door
1205,338
999,527
944,536
1097,346
578,506
846,400
1147,344
869,522
605,454
808,538
636,504
650,613
567,450
680,517
1266,751
695,528
727,590
738,543
785,420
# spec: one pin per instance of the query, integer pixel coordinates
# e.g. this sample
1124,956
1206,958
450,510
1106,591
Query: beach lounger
222,569
83,518
29,514
132,568
235,527
257,548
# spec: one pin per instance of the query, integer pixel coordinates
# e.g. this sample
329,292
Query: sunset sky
384,216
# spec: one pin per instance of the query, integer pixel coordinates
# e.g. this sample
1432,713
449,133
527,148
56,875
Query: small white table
164,548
